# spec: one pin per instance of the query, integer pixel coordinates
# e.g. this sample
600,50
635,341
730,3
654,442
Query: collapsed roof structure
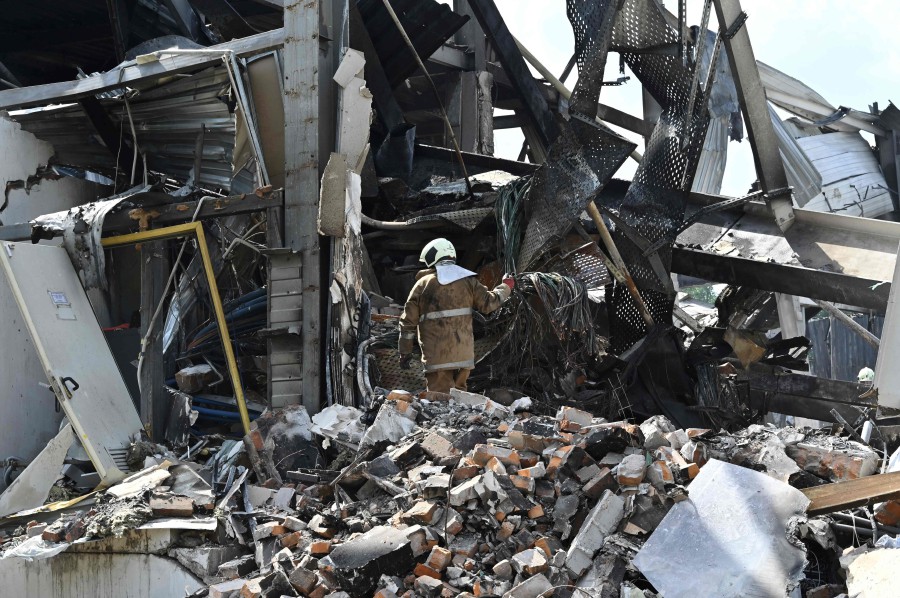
206,246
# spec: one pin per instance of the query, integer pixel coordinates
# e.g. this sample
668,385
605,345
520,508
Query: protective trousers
444,380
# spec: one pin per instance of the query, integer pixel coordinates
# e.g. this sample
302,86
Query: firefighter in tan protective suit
440,307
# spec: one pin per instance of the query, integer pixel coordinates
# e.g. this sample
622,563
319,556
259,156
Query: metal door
73,352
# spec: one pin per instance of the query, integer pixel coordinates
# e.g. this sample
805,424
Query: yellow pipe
181,230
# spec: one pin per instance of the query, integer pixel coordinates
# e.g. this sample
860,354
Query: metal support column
154,399
769,167
301,187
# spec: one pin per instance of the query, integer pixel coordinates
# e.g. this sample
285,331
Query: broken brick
169,505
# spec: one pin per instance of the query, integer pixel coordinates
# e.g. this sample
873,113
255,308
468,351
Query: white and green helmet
866,375
436,251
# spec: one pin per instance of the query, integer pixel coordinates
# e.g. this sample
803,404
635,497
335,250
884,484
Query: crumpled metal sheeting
592,23
81,228
731,538
655,203
167,120
586,154
654,208
641,24
585,265
583,158
465,219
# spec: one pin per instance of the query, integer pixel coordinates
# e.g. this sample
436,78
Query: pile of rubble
458,495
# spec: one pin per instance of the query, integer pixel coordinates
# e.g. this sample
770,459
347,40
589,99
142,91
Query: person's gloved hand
509,281
406,361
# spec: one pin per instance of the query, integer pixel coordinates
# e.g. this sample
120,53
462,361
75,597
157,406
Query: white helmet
866,375
437,250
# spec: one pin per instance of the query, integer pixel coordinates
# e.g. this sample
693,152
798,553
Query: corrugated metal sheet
167,120
839,353
711,168
852,182
801,173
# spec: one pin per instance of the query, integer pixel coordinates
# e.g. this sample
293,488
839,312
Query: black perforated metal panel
655,203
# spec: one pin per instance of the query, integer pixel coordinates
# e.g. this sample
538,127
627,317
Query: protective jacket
442,313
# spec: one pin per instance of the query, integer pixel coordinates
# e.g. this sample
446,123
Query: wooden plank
301,184
855,493
133,73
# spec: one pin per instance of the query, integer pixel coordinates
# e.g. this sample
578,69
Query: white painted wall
20,155
97,576
28,419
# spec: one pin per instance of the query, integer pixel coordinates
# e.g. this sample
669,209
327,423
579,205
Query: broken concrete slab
533,587
602,521
360,562
873,574
735,522
389,427
31,488
206,561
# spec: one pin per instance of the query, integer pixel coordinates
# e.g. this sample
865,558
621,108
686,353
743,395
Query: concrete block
294,524
195,378
655,430
677,439
238,567
463,493
503,570
530,562
205,561
601,522
630,472
537,471
604,480
439,558
834,459
428,586
227,589
168,505
484,452
421,512
572,420
437,447
533,587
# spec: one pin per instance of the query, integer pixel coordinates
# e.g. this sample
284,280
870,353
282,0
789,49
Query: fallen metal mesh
592,23
583,158
586,154
585,265
465,219
654,206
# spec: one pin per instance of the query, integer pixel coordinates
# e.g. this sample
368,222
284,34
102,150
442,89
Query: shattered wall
25,401
21,156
